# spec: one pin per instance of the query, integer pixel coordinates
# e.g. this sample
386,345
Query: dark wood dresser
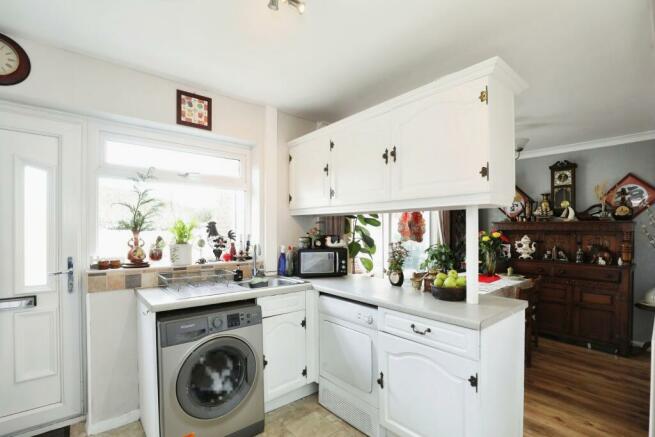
580,303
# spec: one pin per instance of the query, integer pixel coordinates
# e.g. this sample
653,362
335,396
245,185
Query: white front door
40,317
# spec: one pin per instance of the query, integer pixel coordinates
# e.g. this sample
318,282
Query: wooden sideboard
580,303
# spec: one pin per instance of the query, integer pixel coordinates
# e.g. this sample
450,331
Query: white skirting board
300,393
114,422
52,426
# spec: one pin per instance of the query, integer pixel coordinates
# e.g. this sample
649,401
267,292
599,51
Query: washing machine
211,371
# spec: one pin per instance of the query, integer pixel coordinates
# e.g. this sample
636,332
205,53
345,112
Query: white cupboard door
426,392
440,144
40,344
360,171
309,183
285,354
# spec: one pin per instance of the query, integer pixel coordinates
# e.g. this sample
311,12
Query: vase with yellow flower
490,249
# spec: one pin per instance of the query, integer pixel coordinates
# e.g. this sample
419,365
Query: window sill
147,277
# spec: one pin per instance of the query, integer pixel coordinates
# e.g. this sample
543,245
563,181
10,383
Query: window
192,184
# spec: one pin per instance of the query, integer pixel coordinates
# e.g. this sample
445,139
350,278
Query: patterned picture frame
640,193
518,206
194,110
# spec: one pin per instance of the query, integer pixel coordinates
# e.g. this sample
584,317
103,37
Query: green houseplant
360,237
439,258
141,214
397,256
180,248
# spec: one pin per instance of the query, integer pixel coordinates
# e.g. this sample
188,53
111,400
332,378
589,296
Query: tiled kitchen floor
302,418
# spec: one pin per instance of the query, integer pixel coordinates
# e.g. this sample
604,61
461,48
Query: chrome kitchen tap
256,250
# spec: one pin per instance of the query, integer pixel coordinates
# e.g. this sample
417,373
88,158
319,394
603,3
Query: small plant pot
396,278
181,254
449,294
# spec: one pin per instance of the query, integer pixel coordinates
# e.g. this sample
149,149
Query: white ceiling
590,64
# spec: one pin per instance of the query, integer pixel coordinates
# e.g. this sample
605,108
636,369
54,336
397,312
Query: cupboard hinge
484,95
304,323
380,380
326,169
290,198
484,171
304,372
290,157
331,193
331,145
265,362
473,380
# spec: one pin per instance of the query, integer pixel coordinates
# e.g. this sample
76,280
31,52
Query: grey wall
594,166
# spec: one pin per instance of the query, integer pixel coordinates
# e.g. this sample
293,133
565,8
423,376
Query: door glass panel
215,378
35,225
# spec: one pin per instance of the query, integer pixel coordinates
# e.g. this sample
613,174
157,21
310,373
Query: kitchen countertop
373,291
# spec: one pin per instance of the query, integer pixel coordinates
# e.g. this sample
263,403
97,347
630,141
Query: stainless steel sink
273,281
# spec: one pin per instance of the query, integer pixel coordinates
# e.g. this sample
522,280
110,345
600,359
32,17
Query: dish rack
196,279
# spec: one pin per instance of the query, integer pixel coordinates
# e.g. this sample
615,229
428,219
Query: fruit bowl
451,294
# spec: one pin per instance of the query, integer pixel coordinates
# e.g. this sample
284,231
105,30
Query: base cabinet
425,391
284,353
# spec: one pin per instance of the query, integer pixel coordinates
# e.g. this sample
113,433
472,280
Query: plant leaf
367,263
372,221
370,242
362,230
354,248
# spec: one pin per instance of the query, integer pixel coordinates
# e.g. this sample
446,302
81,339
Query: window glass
182,162
35,225
185,201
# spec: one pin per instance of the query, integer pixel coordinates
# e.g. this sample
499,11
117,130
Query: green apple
442,276
450,282
438,282
452,274
461,281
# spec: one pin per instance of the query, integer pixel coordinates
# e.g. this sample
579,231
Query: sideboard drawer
533,268
449,338
584,272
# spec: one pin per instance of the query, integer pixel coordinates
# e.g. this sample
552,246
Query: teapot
525,247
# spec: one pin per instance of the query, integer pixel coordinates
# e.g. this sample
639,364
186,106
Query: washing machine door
216,377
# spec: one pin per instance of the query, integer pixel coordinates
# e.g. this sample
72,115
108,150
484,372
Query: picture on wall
518,206
194,110
640,193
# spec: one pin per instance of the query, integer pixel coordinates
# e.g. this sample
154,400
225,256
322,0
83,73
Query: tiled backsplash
121,279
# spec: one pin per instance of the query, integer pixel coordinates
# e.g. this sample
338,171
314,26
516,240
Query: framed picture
640,193
518,206
194,110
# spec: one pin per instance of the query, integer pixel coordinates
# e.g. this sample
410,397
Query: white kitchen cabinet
285,354
448,144
425,391
360,162
440,144
309,182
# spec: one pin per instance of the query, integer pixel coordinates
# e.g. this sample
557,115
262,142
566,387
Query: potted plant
141,213
397,256
360,238
439,258
180,248
490,249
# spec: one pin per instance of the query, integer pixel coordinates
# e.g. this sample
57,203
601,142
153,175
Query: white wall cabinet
449,144
426,391
285,354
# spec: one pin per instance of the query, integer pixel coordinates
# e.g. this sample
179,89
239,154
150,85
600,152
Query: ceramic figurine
579,256
525,247
561,256
568,214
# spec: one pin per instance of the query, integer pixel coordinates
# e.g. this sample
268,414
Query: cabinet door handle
393,153
385,156
326,169
380,380
427,330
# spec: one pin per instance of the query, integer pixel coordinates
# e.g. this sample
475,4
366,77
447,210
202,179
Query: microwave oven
323,262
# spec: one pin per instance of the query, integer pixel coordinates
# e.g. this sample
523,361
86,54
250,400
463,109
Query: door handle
393,153
427,330
17,303
70,273
385,156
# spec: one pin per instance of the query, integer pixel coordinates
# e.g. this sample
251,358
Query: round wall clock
14,63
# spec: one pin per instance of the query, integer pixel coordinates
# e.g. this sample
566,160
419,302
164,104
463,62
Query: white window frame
101,132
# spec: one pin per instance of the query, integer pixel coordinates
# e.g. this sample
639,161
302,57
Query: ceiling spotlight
298,4
520,146
273,4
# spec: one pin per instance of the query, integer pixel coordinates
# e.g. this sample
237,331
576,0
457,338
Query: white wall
79,84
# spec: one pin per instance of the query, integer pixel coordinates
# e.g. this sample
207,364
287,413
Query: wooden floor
573,391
